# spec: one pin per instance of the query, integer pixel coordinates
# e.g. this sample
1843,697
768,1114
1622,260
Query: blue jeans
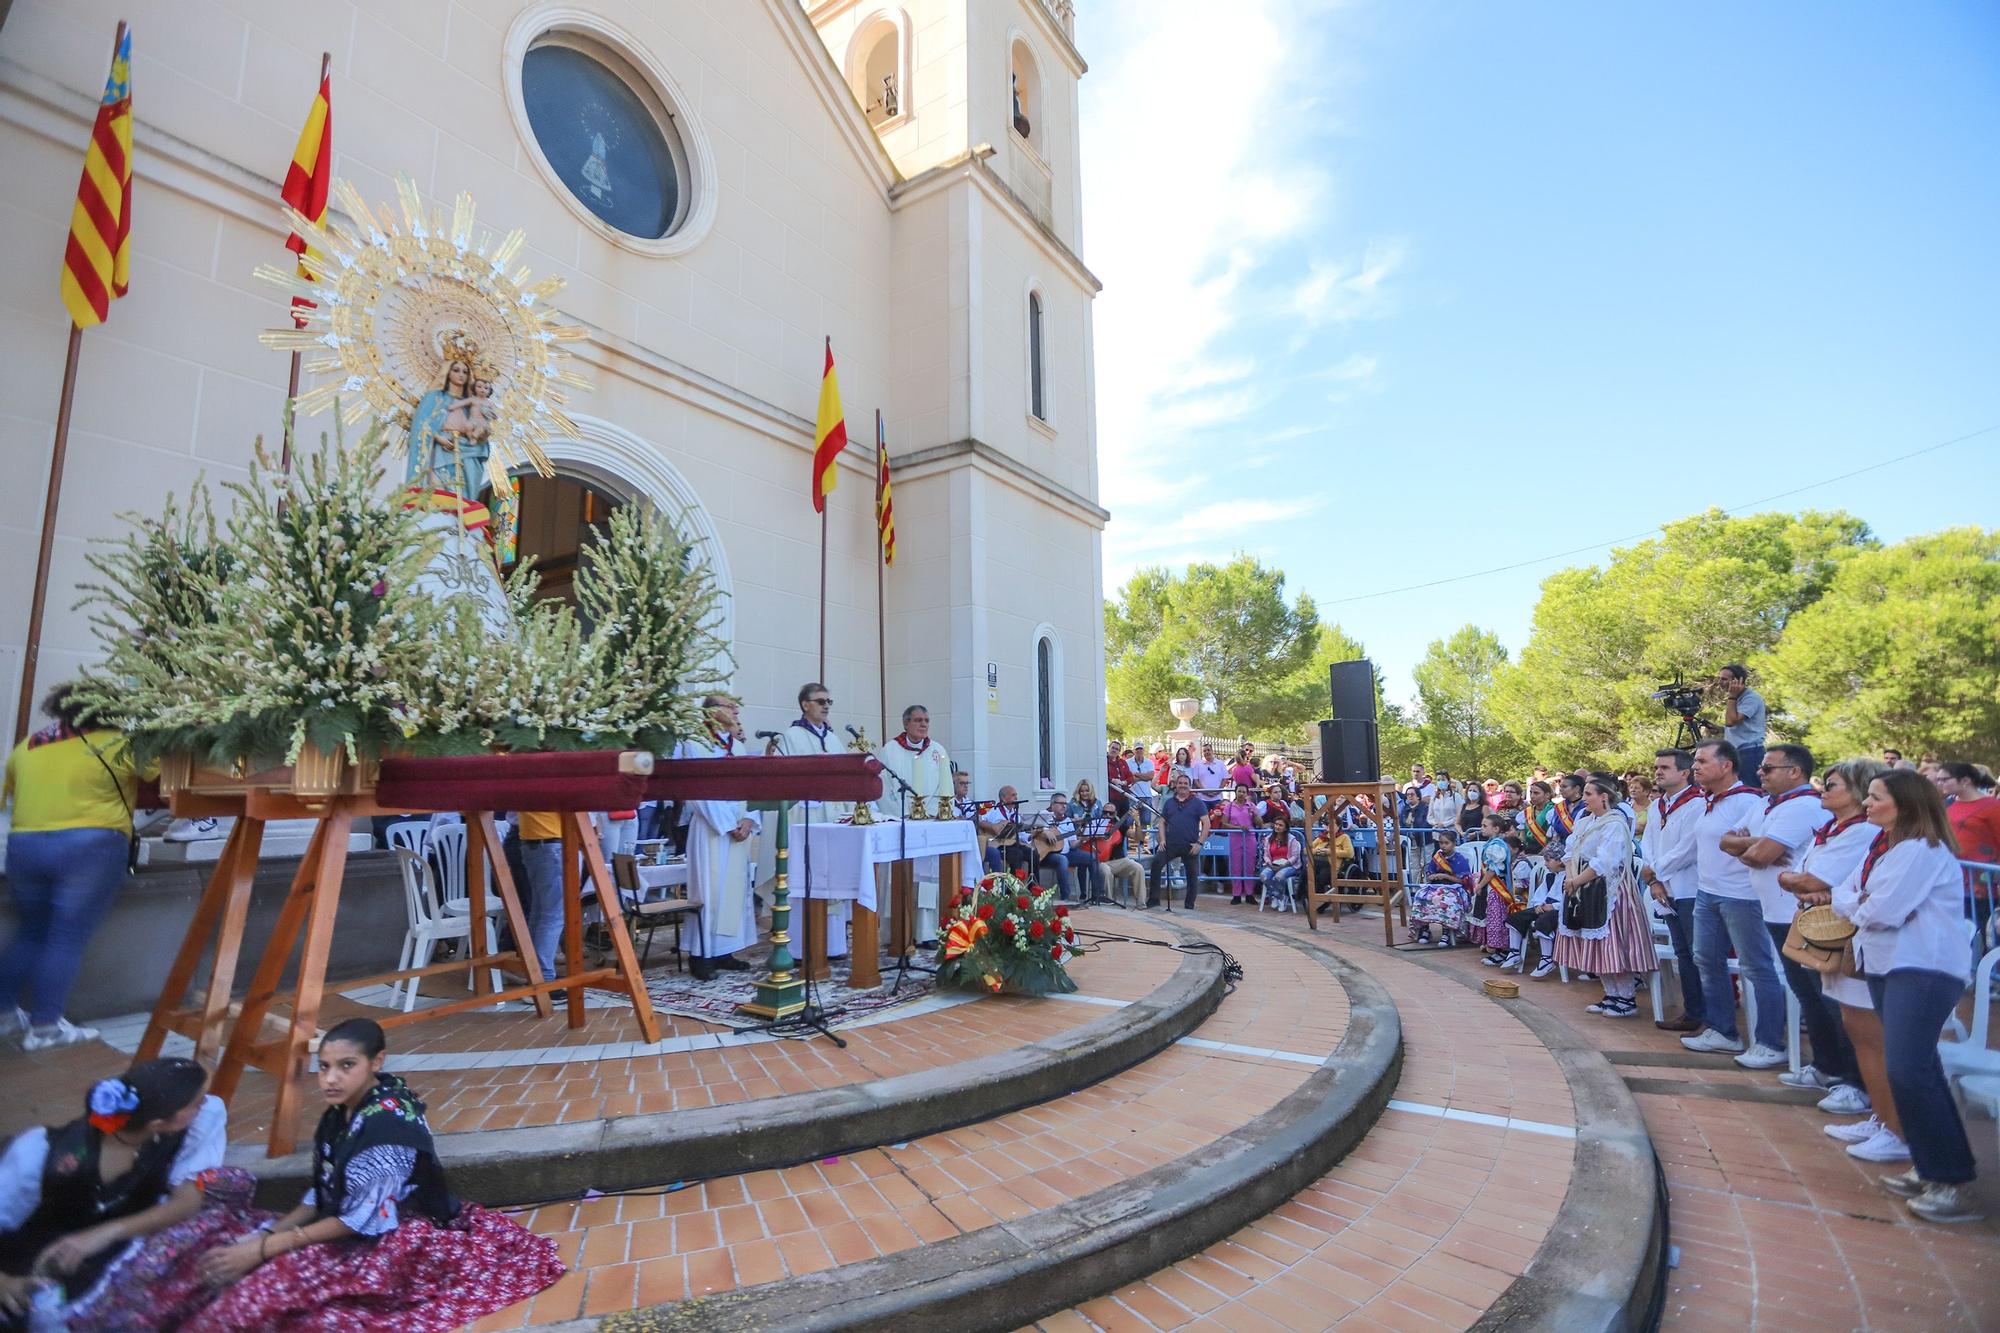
1748,757
1831,1053
1090,876
545,900
1680,928
62,881
1721,924
1913,1004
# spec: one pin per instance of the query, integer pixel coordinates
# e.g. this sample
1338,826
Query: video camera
1677,696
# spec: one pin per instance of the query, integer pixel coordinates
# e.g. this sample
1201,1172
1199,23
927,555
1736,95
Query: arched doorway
558,515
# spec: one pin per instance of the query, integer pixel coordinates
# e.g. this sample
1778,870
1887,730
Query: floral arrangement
1005,935
303,617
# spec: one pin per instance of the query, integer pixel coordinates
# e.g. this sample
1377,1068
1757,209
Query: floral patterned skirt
419,1278
1442,906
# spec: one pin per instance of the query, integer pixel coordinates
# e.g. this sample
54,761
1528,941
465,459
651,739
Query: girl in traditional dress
76,1199
1535,829
1441,902
1496,876
1619,949
378,1242
1239,817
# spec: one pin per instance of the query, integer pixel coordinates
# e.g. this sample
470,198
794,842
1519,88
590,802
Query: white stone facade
916,244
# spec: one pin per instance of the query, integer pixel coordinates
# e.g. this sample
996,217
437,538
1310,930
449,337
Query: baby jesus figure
471,418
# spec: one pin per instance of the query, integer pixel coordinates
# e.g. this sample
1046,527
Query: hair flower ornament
112,1102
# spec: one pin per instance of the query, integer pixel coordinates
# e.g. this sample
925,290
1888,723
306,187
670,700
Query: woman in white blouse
1907,900
1446,804
1835,851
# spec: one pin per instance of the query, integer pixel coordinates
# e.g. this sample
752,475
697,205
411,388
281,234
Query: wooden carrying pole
39,601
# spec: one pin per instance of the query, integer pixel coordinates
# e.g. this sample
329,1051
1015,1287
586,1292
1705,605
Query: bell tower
938,79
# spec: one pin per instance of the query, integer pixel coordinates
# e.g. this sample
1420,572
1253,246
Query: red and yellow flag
885,512
97,263
309,176
830,437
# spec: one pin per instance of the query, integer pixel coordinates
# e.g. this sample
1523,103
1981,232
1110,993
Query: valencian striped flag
885,511
830,437
308,177
98,260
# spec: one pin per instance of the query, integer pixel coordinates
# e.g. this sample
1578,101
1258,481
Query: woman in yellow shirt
71,788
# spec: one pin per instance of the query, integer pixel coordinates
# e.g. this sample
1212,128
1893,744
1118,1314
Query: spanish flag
830,437
309,176
885,512
97,263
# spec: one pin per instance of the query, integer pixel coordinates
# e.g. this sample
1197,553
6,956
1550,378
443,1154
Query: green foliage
1710,589
1004,935
1459,730
307,617
1903,649
1223,634
657,612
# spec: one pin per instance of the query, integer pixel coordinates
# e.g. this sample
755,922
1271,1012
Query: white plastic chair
1971,1056
445,853
428,923
409,834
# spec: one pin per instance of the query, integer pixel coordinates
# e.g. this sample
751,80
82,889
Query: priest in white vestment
718,853
811,733
921,762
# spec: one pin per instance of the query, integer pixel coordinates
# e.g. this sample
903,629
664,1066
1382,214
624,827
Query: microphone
852,732
767,735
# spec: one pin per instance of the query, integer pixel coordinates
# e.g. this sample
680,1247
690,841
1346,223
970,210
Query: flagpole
881,623
292,384
38,603
825,501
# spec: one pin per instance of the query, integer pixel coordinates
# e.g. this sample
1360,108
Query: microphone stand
904,796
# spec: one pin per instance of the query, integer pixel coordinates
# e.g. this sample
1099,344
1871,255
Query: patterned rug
715,1001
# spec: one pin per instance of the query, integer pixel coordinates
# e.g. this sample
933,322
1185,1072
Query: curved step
626,1152
1002,1275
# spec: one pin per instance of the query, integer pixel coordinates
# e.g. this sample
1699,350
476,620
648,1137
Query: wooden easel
1387,891
309,910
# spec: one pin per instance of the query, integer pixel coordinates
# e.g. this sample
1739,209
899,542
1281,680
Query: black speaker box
1349,750
1353,690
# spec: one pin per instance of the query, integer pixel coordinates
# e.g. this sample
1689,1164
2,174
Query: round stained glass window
605,137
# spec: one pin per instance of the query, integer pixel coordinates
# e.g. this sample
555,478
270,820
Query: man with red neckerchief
1667,865
1728,915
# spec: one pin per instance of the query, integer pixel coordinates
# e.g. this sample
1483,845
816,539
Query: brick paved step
1021,1214
608,1152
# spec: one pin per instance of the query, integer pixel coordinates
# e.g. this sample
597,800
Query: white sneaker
197,830
1542,969
1859,1132
59,1033
1762,1057
1946,1203
14,1023
1808,1077
1710,1042
1512,960
1884,1147
1845,1100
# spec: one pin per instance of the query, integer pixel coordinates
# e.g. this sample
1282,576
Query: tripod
903,795
1689,733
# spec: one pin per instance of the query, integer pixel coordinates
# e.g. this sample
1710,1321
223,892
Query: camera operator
1744,721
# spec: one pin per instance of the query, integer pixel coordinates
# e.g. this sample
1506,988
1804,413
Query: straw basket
1824,927
1502,990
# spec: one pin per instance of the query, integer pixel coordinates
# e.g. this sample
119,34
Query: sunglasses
824,703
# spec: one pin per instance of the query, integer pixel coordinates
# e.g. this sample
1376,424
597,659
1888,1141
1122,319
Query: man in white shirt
1728,915
925,766
1142,788
812,733
1210,776
1770,844
1667,864
1422,782
1053,835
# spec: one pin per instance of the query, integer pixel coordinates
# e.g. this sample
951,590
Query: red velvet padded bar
802,777
560,780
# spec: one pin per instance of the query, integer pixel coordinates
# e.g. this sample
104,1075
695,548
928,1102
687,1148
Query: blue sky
1396,291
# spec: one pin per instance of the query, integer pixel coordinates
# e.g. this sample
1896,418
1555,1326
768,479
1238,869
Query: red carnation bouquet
1003,935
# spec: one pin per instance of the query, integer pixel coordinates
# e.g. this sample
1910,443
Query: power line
1614,541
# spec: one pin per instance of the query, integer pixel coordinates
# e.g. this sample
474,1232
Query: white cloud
1204,182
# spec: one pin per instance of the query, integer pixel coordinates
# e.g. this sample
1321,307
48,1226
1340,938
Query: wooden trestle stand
1386,890
322,788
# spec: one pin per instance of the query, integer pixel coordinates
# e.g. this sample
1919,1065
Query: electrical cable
1614,541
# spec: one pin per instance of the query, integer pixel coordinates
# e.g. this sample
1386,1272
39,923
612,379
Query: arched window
878,67
1045,710
1024,82
1038,402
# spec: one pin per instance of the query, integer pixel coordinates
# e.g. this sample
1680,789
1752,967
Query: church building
724,184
